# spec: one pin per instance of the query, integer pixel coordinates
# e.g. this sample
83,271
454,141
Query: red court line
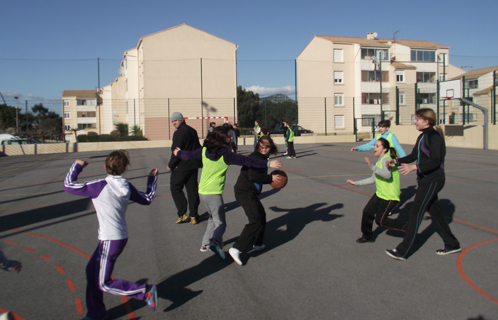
128,308
59,268
10,242
45,258
28,249
464,276
79,306
71,285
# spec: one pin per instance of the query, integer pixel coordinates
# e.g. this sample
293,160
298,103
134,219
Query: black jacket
249,176
185,138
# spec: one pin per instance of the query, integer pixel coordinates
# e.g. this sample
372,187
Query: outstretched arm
85,189
145,198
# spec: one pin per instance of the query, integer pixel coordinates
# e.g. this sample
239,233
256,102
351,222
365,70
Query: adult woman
247,188
429,152
386,197
216,157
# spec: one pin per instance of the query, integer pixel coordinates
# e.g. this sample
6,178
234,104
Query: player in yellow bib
386,179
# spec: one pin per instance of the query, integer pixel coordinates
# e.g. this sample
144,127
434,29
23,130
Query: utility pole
17,118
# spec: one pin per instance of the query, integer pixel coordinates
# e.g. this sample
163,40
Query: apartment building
345,83
80,111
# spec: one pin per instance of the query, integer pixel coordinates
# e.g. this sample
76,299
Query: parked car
298,130
19,141
277,130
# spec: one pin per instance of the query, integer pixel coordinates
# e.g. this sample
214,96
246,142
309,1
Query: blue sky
51,46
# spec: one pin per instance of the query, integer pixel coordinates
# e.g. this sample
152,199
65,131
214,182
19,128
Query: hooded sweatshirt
110,198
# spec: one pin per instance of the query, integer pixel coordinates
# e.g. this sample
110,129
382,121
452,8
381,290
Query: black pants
187,178
379,209
256,214
426,200
290,146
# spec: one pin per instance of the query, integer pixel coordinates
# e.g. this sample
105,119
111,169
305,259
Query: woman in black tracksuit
247,189
429,152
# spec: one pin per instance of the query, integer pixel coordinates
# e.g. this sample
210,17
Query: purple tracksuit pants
98,275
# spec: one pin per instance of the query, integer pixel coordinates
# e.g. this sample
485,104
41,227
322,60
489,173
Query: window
67,127
338,99
85,114
338,55
423,55
426,98
372,54
66,115
86,102
426,76
374,76
472,84
374,98
366,119
402,98
400,76
65,103
339,122
86,125
338,77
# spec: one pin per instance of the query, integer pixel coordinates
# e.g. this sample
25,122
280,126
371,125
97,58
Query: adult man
184,173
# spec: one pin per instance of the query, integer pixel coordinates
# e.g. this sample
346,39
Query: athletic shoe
235,253
285,154
193,220
204,248
395,254
183,218
288,158
151,296
87,318
8,316
364,239
217,250
259,248
293,157
445,251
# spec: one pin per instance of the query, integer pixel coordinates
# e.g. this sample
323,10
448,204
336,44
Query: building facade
80,112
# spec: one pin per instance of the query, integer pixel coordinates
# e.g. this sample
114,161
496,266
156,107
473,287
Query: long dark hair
386,145
217,139
267,142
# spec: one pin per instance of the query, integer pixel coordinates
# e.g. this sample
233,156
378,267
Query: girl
248,187
429,152
216,157
386,179
289,141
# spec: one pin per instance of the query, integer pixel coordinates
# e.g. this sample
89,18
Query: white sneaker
204,248
288,158
285,154
259,248
235,253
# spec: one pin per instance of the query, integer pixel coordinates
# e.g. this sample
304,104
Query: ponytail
440,130
392,153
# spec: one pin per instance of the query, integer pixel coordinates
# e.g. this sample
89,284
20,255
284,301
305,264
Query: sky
50,46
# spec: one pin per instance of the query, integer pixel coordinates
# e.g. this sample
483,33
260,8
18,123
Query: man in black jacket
184,173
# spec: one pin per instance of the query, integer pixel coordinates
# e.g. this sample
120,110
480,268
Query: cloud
32,96
266,91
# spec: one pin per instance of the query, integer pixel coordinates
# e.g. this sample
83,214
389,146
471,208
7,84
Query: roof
483,91
399,65
80,93
419,44
474,74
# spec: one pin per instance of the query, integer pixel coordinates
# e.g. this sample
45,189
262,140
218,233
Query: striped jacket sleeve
146,197
85,189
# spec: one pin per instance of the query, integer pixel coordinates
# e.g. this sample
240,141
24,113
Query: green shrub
82,138
92,138
105,137
245,131
92,133
115,135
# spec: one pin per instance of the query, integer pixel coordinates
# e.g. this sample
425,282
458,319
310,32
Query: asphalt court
312,267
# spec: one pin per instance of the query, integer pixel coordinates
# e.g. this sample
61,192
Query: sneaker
235,253
217,250
151,296
9,316
258,248
395,254
193,220
364,239
183,218
445,251
288,158
204,248
285,154
294,157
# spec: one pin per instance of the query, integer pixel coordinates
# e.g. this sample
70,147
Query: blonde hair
117,162
430,116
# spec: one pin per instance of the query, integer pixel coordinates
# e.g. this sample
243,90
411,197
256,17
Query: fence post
463,103
437,101
397,105
325,103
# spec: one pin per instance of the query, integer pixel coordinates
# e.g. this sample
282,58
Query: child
429,152
386,197
247,188
289,140
216,157
110,198
384,132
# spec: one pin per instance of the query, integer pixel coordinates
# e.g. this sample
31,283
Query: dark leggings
379,209
292,152
255,212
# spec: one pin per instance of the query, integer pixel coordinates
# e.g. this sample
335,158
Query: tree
136,131
122,128
248,107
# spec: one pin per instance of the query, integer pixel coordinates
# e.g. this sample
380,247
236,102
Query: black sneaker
445,251
364,239
395,254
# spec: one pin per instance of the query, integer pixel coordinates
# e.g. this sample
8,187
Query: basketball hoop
446,98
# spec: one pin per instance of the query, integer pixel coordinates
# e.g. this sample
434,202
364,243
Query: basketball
282,183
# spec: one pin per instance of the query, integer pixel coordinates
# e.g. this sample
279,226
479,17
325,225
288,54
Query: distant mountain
279,97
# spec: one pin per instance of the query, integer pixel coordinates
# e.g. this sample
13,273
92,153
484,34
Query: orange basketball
282,183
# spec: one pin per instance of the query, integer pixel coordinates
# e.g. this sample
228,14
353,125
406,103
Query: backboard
451,89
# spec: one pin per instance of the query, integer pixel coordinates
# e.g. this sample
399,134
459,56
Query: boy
110,198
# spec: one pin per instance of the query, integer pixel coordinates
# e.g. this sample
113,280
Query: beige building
178,69
80,112
341,79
